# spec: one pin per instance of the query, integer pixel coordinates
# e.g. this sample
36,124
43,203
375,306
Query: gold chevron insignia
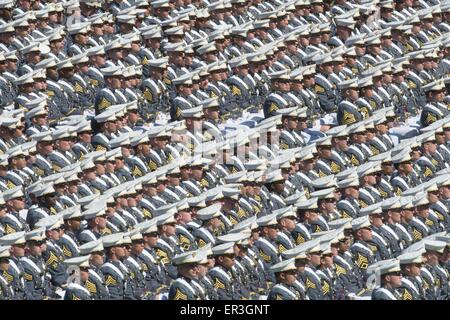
179,295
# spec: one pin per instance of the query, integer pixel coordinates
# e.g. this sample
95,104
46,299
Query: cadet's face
407,214
444,192
366,234
17,204
18,250
395,280
288,223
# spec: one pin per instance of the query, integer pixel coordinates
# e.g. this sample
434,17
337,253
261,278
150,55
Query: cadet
76,291
14,202
360,250
286,275
435,278
347,111
36,281
95,282
187,286
411,264
15,272
275,100
53,254
225,280
267,244
391,280
117,277
134,245
6,291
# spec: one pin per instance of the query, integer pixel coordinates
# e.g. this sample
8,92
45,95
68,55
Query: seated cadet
362,254
46,204
324,88
308,213
184,217
134,244
347,111
347,278
421,224
289,138
117,277
325,268
187,286
308,282
14,202
206,264
431,160
286,218
435,109
96,281
15,242
62,155
224,279
410,265
74,290
391,280
183,99
275,100
275,183
368,194
404,178
210,225
156,275
37,285
267,244
358,152
167,245
392,209
434,276
107,129
286,275
379,244
6,290
53,254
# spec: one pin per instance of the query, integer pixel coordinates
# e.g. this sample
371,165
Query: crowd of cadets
224,150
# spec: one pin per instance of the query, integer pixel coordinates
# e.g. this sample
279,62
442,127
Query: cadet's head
183,216
364,233
73,224
407,214
392,279
326,260
324,151
188,270
281,84
66,72
167,229
151,238
97,258
271,231
314,258
288,223
350,192
344,244
48,200
225,260
54,233
4,264
36,247
411,269
18,250
116,251
287,277
301,264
